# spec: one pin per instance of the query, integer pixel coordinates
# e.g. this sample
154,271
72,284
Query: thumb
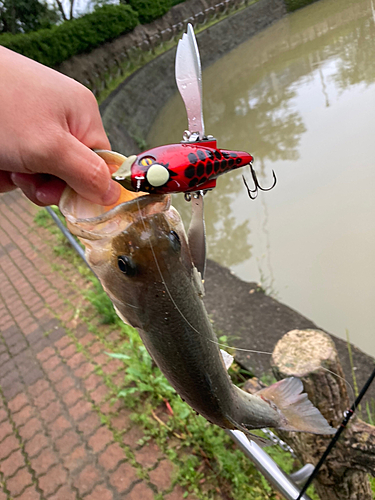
86,173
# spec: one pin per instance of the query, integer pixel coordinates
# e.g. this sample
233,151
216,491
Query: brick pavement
53,396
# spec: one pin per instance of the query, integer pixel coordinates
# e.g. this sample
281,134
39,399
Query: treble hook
253,193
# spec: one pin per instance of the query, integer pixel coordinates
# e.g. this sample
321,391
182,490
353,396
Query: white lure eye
157,175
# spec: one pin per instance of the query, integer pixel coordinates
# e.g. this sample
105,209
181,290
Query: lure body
184,167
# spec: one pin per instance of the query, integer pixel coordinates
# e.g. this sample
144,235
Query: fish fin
121,316
298,412
198,282
227,358
197,234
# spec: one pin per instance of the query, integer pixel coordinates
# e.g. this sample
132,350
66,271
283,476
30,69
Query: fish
139,251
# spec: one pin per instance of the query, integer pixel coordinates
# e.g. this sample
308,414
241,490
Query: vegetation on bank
56,43
292,5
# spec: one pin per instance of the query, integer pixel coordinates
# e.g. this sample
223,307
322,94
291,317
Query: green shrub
297,4
55,45
148,10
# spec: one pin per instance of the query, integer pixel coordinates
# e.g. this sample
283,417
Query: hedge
148,10
292,5
55,45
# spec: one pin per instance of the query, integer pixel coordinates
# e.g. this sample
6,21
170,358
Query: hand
48,125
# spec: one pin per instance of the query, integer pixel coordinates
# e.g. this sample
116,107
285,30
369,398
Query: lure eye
126,265
157,175
175,240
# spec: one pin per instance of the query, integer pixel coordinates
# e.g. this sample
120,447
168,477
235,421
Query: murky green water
300,97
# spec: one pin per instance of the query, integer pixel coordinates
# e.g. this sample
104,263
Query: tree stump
311,356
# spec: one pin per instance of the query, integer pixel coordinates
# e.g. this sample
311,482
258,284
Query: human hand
48,125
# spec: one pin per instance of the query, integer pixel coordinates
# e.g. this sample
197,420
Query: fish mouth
90,221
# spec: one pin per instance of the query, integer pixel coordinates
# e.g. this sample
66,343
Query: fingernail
113,193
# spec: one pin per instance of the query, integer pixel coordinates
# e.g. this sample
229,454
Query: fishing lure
194,164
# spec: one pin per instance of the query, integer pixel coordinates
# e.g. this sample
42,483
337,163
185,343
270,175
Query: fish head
131,246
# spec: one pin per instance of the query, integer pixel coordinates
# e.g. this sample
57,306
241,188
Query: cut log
311,356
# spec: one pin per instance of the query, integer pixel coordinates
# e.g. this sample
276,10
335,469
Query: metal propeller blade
189,81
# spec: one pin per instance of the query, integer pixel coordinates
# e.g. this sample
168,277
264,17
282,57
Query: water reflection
297,96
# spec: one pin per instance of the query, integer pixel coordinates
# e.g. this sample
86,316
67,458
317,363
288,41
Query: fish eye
126,265
175,240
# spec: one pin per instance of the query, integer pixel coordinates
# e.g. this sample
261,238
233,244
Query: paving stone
148,455
80,409
87,479
76,459
84,370
132,436
54,478
44,399
29,494
161,476
38,387
51,364
58,374
112,456
71,398
124,477
65,385
18,403
141,491
7,446
30,428
63,342
44,461
15,461
121,421
52,412
67,442
63,493
101,492
99,394
37,443
19,482
69,351
5,430
92,381
101,439
3,415
75,361
89,424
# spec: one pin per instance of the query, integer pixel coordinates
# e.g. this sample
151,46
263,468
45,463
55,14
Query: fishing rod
347,416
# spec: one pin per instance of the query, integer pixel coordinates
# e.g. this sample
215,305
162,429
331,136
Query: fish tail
297,412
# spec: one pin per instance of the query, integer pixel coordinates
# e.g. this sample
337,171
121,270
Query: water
300,97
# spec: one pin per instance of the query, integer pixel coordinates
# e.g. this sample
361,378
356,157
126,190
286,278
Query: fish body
180,168
140,253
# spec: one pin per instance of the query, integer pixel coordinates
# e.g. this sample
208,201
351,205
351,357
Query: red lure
181,168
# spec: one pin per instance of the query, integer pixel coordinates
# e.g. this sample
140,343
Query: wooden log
311,356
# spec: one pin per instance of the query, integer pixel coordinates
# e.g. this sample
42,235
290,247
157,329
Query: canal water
300,97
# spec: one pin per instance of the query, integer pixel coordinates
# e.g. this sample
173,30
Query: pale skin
49,125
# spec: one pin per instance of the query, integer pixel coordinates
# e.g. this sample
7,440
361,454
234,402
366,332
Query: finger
85,172
49,193
6,183
29,184
85,122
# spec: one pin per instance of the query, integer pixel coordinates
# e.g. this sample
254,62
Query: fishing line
176,306
197,331
347,416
